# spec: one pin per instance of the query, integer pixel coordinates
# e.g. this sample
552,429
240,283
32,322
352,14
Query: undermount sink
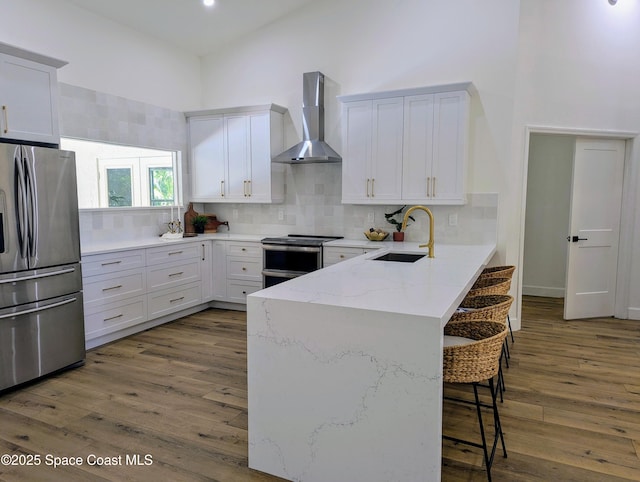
399,257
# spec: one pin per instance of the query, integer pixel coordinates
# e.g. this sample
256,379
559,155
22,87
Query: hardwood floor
178,393
571,411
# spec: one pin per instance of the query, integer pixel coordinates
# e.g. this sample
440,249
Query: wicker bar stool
490,286
485,307
488,308
500,272
471,355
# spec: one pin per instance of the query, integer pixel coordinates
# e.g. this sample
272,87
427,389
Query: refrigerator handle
32,204
35,310
21,201
37,276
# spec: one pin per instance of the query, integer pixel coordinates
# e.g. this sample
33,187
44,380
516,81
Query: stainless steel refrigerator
41,315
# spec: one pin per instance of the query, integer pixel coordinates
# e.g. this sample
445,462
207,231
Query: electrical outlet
280,214
235,214
371,218
453,219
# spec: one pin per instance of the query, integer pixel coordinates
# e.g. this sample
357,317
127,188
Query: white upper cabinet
373,147
28,96
230,154
406,146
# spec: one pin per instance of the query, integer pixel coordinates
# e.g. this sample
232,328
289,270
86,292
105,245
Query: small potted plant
199,222
398,235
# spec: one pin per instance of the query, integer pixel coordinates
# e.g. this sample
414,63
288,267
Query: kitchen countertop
431,287
151,242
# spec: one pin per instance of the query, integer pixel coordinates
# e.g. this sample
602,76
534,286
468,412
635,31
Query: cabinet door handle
221,188
433,190
113,317
373,184
175,252
428,184
112,288
244,269
176,274
203,253
249,188
111,262
368,187
5,112
176,299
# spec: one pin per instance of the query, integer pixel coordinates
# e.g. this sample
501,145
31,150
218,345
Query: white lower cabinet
333,255
206,271
219,270
116,316
173,278
237,290
243,270
131,290
124,291
165,302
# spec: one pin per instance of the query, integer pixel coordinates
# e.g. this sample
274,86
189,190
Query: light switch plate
453,219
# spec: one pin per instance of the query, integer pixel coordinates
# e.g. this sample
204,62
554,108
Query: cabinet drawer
237,291
253,250
244,268
335,255
169,301
176,252
116,316
98,264
172,274
100,290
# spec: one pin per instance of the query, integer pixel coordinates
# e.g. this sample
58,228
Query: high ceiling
190,25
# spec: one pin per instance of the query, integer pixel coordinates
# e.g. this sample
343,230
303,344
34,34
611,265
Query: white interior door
596,200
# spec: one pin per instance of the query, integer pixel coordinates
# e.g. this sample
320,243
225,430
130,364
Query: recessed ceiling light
208,3
613,2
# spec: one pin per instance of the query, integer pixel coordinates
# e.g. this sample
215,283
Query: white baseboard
543,291
634,313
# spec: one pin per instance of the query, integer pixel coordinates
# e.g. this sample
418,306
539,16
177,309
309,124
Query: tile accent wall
313,192
313,206
87,114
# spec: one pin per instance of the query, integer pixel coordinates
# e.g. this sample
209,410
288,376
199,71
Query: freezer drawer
39,284
39,338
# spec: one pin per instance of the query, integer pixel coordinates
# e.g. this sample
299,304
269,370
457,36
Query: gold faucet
430,214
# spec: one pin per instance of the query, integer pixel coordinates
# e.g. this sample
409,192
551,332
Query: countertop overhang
429,287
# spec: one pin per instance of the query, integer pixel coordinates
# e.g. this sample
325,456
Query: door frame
629,184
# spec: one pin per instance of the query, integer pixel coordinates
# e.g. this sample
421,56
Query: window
112,175
119,186
161,186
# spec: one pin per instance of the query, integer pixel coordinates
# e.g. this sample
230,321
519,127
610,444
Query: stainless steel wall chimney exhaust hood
312,149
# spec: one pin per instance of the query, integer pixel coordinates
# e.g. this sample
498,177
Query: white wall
374,45
578,69
547,215
568,63
103,56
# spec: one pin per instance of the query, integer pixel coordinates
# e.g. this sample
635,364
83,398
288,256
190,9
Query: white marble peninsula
345,366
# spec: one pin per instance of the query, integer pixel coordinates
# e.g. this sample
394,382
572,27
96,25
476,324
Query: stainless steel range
291,256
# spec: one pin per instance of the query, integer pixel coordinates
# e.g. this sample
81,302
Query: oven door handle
300,249
281,273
